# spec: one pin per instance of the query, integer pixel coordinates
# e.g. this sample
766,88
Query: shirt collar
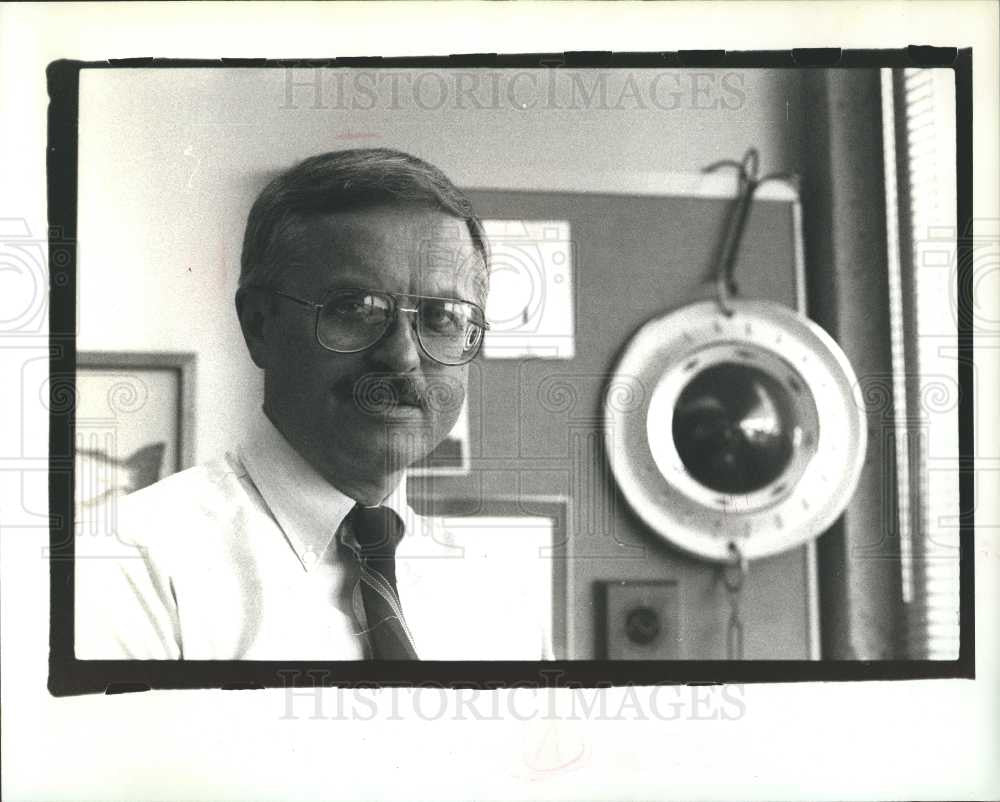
306,506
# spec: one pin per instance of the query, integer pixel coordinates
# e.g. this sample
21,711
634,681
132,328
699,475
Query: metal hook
725,286
748,182
735,571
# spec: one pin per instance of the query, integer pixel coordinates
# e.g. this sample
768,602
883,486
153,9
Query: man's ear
253,309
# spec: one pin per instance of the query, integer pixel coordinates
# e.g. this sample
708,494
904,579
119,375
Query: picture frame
134,420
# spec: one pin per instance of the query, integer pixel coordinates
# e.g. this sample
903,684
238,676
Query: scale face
746,429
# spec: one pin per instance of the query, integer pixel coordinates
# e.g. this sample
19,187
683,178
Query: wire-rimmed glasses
450,331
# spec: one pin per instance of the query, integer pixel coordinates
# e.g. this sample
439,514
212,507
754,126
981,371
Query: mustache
378,392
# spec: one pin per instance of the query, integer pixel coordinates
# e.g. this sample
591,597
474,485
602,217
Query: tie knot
378,530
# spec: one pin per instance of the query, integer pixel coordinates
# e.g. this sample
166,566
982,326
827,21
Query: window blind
920,158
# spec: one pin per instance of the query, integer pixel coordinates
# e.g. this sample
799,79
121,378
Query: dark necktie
378,531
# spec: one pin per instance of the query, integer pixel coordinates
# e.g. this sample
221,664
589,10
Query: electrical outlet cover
642,620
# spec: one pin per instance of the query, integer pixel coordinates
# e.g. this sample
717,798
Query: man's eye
356,307
445,318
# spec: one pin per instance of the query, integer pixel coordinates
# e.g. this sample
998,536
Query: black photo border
69,676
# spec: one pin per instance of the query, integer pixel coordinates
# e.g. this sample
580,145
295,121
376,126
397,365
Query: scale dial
746,429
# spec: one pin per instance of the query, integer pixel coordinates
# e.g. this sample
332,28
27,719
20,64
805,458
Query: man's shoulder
214,491
206,481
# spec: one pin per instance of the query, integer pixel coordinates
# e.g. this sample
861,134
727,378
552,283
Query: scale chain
733,576
734,631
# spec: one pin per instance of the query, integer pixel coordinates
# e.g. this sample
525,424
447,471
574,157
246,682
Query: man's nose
398,351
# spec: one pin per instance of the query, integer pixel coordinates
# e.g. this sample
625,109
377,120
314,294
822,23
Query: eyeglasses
449,331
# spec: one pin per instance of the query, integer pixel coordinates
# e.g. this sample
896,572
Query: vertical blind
920,158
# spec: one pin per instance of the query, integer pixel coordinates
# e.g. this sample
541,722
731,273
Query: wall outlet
642,620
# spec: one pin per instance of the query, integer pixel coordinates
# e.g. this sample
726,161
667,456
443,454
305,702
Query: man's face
331,406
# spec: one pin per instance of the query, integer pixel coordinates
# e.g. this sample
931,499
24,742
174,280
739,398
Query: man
362,294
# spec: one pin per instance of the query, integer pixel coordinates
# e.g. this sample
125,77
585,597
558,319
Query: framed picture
134,421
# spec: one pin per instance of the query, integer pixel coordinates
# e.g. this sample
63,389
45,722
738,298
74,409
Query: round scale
746,428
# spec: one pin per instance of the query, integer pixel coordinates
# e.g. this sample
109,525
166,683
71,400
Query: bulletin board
536,424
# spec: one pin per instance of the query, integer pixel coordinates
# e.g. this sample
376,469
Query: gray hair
343,181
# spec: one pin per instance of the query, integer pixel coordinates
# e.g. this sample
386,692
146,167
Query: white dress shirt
237,559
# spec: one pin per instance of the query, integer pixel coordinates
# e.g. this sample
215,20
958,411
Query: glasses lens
352,320
450,331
